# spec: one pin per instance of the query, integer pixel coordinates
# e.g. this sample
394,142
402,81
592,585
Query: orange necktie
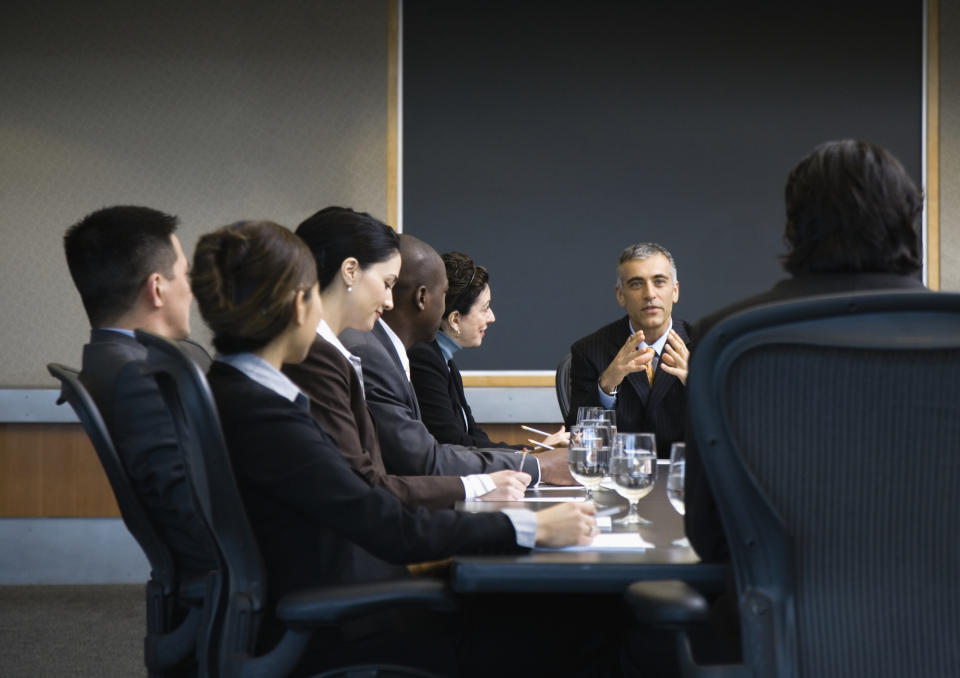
649,368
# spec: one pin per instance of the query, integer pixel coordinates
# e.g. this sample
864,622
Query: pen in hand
534,430
543,445
523,459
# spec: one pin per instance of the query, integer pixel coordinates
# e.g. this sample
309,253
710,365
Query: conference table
592,569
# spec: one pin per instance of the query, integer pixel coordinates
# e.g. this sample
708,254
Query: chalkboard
541,138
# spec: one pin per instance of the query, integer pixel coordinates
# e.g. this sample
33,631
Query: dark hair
245,278
466,281
112,252
851,207
337,233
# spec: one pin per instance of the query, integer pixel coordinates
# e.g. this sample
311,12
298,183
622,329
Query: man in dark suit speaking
637,365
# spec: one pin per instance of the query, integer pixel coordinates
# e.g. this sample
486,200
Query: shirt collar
447,345
129,333
262,372
398,346
658,344
326,332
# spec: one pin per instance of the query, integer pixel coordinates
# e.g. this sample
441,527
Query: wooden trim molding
393,113
933,144
501,380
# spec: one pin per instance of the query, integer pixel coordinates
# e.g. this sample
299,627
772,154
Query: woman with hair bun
358,262
435,377
317,521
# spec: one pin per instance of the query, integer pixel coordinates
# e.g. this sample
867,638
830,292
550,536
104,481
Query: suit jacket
701,518
146,441
443,404
408,447
660,409
317,520
337,402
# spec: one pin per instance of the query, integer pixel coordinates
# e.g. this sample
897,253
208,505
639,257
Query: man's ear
676,292
153,291
420,298
620,299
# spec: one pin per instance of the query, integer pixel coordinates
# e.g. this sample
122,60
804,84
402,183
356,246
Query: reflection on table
590,570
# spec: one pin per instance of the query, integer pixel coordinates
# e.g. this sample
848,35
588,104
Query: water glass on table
675,483
589,455
633,468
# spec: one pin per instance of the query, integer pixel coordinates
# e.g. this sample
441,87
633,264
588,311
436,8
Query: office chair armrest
666,602
328,606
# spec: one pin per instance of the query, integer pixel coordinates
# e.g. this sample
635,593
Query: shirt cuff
524,524
477,485
608,401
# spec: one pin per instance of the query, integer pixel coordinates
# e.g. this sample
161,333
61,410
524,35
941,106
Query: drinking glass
633,467
589,455
675,483
589,413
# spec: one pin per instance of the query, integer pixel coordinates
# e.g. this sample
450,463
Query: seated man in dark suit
853,224
131,272
637,365
408,447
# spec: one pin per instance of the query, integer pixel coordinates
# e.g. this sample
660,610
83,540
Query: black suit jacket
408,447
337,402
660,409
146,441
317,520
701,519
443,404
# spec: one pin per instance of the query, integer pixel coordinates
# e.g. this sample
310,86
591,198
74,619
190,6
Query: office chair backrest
187,394
167,642
830,432
562,385
163,569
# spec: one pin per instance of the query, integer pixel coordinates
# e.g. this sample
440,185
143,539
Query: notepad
610,541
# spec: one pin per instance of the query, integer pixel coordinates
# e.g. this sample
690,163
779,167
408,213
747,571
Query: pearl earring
349,289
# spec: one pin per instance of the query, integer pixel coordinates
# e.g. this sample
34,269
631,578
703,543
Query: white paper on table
610,541
554,499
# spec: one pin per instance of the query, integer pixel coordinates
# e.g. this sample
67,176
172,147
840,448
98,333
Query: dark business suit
660,409
443,404
701,519
145,438
317,520
337,402
408,447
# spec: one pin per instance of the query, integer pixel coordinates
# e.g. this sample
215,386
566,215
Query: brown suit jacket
337,402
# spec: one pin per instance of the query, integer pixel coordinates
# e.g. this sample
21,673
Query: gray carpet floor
72,631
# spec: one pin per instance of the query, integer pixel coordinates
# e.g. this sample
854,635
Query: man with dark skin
407,445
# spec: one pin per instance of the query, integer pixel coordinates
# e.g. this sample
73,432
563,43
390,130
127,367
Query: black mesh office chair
171,633
188,396
562,385
829,430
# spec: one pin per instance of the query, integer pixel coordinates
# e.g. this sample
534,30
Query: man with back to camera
407,446
853,225
637,365
131,272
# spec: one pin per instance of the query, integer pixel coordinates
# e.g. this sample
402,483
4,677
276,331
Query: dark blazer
443,404
408,447
660,409
317,520
337,402
146,441
701,519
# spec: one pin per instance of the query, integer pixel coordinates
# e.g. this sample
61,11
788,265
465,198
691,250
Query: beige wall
212,111
949,145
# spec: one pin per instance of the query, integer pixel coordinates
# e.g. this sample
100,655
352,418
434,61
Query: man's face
648,291
178,296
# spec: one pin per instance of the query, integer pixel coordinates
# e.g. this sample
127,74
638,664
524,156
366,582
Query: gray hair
644,250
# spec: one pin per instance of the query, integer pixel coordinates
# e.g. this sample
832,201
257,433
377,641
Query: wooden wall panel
51,471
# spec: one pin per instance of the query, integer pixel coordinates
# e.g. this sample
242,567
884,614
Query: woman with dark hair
317,521
358,261
435,376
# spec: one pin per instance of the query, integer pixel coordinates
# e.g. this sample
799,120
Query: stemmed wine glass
633,467
589,454
675,480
